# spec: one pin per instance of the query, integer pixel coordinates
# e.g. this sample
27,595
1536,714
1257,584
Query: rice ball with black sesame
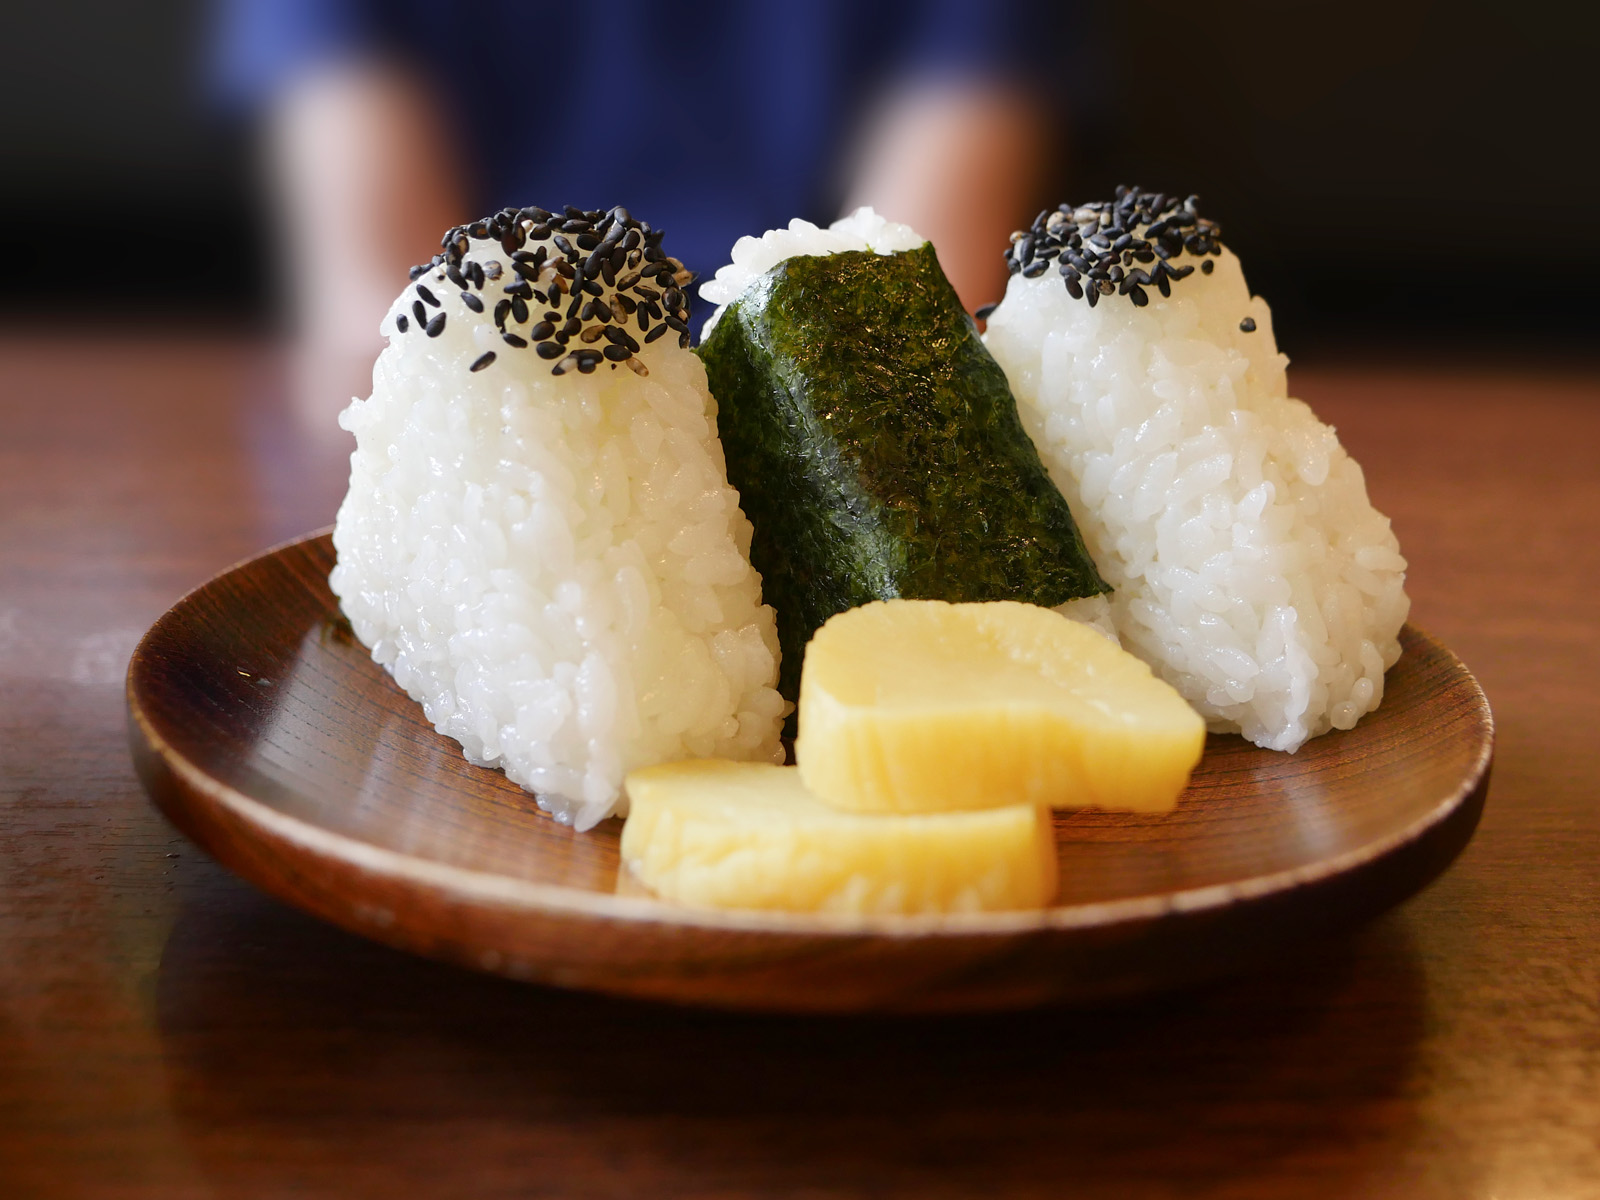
1247,564
539,542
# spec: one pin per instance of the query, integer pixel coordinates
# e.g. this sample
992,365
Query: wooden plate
266,733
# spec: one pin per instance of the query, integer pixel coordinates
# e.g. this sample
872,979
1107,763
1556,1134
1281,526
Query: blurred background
1395,174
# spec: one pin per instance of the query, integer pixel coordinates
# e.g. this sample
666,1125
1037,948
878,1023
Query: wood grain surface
166,1030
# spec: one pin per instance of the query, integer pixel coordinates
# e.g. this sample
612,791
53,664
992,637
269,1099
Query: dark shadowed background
1393,174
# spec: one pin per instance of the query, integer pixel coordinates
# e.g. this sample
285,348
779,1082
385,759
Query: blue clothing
709,120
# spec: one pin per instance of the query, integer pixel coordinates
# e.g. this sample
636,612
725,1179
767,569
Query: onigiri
539,542
1248,566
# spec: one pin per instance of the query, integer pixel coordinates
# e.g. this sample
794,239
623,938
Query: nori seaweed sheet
877,450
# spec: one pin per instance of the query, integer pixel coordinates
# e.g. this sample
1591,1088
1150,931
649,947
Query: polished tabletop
168,1031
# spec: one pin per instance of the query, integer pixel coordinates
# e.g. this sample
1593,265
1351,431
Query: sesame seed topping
583,269
401,323
1097,244
1248,325
482,361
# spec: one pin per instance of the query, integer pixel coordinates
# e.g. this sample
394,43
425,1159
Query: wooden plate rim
526,896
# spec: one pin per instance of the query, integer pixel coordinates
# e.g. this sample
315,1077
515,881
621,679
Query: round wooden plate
266,733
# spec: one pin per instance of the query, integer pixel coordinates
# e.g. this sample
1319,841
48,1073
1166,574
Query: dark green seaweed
877,448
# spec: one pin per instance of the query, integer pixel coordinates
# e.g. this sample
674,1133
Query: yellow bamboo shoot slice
721,834
922,706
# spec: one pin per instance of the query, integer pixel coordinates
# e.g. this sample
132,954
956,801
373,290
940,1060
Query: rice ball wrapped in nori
1250,570
539,541
873,438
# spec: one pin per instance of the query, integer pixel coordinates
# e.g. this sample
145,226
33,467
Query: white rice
555,567
1250,569
753,257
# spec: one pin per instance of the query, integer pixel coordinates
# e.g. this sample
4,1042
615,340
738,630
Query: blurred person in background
386,122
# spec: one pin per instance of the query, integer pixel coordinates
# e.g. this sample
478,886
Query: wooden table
166,1031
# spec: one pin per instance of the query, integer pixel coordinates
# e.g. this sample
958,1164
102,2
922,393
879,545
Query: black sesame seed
591,333
572,326
472,302
436,326
482,361
541,331
654,333
1138,296
1207,267
565,247
492,269
456,277
588,241
987,311
512,339
1248,325
420,313
618,353
419,269
1102,241
401,323
551,350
